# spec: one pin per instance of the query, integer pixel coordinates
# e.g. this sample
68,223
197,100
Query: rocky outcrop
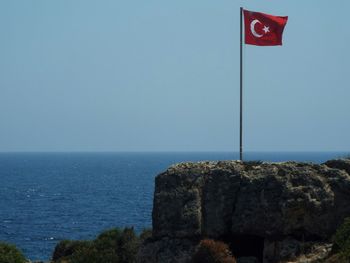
269,212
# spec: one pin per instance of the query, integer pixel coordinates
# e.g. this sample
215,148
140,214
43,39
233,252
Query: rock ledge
269,212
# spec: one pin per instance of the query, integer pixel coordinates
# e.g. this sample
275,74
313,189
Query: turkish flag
263,29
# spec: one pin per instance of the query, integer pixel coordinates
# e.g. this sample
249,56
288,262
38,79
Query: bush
66,248
111,246
10,254
121,246
210,251
94,255
341,239
145,234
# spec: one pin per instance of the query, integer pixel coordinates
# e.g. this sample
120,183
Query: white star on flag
266,29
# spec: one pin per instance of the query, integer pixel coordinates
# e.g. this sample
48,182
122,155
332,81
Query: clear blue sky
164,75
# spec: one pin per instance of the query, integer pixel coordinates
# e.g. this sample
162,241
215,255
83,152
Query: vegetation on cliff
121,246
341,244
111,246
10,254
210,251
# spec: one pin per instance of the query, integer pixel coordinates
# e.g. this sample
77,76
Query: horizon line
184,151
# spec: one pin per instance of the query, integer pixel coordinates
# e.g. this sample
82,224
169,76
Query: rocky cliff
266,212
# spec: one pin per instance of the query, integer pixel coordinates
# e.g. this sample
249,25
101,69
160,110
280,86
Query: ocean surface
47,197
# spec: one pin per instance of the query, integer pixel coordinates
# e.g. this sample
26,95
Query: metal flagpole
241,89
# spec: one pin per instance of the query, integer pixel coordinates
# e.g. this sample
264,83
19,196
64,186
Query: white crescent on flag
252,28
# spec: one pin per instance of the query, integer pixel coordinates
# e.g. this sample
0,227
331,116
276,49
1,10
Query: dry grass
211,251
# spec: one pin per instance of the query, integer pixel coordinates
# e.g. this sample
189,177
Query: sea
48,197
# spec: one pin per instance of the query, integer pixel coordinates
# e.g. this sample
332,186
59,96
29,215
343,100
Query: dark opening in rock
302,235
246,246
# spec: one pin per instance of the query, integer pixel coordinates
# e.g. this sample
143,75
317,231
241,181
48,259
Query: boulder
266,211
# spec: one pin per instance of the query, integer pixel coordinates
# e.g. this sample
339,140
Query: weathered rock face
256,207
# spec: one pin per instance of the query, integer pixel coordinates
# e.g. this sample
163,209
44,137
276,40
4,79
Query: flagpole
241,88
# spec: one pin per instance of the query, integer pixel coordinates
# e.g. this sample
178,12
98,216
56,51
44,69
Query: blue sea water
47,197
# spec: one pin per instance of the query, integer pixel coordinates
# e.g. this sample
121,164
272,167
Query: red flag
263,29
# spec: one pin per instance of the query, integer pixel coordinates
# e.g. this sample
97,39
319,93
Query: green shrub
129,245
94,255
120,246
111,246
210,251
66,248
108,239
145,234
10,254
341,239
